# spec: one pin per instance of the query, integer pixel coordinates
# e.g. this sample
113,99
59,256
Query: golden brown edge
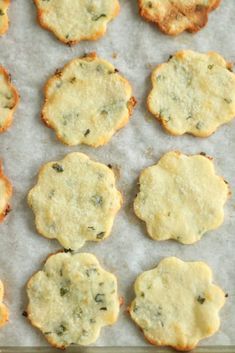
9,193
96,36
27,312
4,310
89,57
5,28
193,28
16,96
200,134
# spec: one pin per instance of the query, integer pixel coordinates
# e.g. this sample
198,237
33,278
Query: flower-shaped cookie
193,93
9,99
75,200
181,198
5,194
177,304
3,309
72,298
176,16
74,20
4,21
87,102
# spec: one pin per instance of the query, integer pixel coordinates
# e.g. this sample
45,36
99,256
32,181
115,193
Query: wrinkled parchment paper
32,54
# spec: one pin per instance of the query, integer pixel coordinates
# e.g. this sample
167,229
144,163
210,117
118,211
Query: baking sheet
32,54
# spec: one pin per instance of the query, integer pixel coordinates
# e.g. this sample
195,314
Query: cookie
87,102
177,304
74,20
3,309
4,21
181,198
174,17
193,93
75,200
5,194
9,99
72,298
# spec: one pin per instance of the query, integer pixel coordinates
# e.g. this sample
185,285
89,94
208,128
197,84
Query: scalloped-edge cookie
75,200
181,197
72,21
175,16
87,102
9,99
4,21
193,93
177,304
5,194
72,298
4,315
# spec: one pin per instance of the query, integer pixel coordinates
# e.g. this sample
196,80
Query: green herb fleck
97,17
103,308
189,117
199,125
200,299
100,235
92,321
58,167
72,80
60,331
99,298
228,100
210,67
97,200
1,13
63,291
47,333
91,228
87,132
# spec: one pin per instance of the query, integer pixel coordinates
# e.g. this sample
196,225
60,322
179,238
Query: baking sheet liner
32,54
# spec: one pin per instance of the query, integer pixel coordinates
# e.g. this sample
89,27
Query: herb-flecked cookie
3,309
72,298
4,21
177,304
87,102
74,20
8,99
193,93
175,16
181,198
75,200
5,194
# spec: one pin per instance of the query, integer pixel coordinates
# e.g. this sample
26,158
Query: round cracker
193,93
181,198
72,298
72,21
174,17
177,304
87,102
75,200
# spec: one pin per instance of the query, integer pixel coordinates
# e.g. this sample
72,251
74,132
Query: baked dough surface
193,93
75,200
181,198
72,298
87,102
177,304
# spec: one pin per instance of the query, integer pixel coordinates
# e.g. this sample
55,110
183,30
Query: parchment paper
32,54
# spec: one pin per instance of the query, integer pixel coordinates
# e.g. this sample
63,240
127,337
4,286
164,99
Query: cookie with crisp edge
188,124
106,307
8,193
94,36
92,133
181,299
178,20
4,314
12,108
4,20
78,209
193,216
